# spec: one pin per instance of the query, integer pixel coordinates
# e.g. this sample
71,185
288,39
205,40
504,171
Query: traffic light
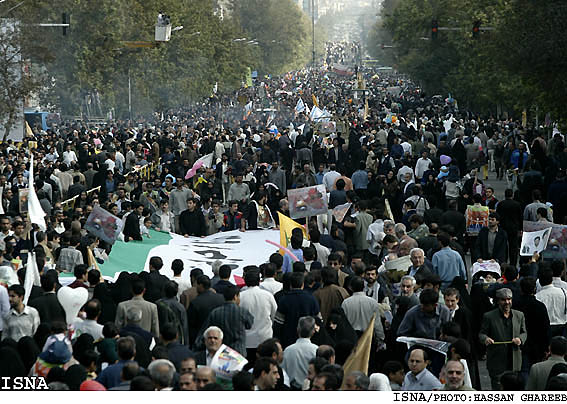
476,29
64,20
434,29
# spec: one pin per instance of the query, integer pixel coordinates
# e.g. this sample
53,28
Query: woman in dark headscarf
11,365
28,350
461,285
122,289
339,328
103,293
83,343
74,376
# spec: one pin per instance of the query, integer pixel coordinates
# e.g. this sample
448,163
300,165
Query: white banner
235,248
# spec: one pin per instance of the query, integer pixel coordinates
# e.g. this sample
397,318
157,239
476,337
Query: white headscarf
379,382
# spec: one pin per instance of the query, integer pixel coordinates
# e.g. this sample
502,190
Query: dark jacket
455,219
49,308
537,327
337,198
176,353
199,310
499,251
192,223
155,282
511,215
293,305
496,355
132,227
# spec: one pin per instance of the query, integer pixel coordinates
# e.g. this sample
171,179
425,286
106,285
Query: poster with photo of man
534,241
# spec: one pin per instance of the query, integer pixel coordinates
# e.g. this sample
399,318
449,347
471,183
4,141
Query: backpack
167,315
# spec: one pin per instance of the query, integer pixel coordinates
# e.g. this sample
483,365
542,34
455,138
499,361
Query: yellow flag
286,227
524,118
29,131
358,359
315,100
91,259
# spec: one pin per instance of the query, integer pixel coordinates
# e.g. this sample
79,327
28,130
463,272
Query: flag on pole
358,359
32,276
315,100
35,211
249,77
286,226
207,160
300,107
29,131
247,110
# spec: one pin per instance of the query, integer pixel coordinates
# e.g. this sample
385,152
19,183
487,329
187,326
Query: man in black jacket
511,213
201,306
192,221
456,219
132,226
155,282
492,241
48,306
537,324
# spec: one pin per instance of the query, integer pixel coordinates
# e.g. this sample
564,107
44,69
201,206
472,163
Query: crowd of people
410,165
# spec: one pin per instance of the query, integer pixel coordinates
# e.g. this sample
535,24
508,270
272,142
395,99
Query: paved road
499,188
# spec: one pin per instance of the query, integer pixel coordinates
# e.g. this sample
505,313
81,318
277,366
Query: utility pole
129,96
313,28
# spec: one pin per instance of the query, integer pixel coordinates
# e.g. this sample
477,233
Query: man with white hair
212,337
162,372
421,267
407,288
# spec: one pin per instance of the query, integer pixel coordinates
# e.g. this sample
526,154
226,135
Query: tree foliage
519,62
93,55
282,30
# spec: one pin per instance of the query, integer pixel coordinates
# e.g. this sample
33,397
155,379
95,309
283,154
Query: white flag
447,124
300,107
35,211
207,160
32,276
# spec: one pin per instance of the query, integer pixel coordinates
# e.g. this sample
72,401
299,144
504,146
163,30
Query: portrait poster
23,194
308,201
477,218
340,211
104,225
534,241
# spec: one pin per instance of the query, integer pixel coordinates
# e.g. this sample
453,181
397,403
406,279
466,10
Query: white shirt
183,285
4,305
329,179
407,147
557,282
87,327
555,300
322,253
69,157
110,164
262,305
421,166
271,285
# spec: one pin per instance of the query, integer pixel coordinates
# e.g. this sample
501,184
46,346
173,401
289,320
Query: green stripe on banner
131,256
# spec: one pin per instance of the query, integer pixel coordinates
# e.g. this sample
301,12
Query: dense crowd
410,164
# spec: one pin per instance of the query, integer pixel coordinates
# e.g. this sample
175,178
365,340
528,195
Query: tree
281,29
16,83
